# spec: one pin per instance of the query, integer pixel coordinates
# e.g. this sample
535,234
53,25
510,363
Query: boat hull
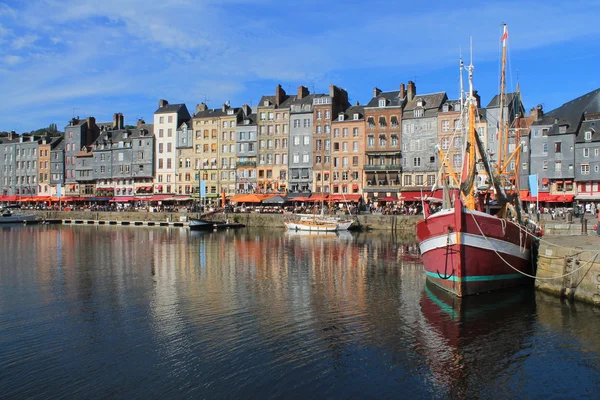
469,252
311,227
201,225
19,219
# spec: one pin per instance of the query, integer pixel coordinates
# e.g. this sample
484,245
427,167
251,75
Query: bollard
584,226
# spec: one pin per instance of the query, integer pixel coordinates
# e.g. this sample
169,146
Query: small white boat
312,226
8,217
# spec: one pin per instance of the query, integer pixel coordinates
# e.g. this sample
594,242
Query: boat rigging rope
583,263
528,232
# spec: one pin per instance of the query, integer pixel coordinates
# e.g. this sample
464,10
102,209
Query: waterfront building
57,168
7,163
384,130
325,108
521,131
78,133
451,130
273,136
301,143
348,152
120,163
26,166
512,108
246,151
419,140
205,123
47,144
167,118
227,143
481,127
185,177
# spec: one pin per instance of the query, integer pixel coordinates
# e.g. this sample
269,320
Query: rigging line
591,260
521,227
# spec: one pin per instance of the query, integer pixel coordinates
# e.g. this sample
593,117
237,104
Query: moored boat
466,250
9,217
201,225
315,225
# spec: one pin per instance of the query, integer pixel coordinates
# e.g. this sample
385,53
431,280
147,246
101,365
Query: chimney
537,112
376,92
91,122
224,107
201,107
402,93
162,103
302,92
356,104
477,98
412,91
12,135
246,110
279,95
140,123
118,121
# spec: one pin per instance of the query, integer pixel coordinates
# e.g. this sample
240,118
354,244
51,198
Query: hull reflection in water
469,340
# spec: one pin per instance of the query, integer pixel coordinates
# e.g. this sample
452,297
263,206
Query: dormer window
418,113
446,108
356,116
588,136
266,103
381,102
341,117
562,129
420,103
230,111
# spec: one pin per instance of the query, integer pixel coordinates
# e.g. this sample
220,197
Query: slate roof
571,113
60,146
482,114
169,109
393,99
454,105
432,104
211,113
349,114
496,100
589,126
284,104
251,118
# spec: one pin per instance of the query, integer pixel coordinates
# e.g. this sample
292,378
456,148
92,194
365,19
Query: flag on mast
504,36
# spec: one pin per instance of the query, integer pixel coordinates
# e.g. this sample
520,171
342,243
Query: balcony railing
245,164
385,167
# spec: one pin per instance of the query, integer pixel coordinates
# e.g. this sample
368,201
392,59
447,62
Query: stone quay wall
575,257
394,223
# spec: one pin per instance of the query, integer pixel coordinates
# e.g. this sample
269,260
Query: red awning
300,199
319,197
560,198
161,197
121,199
544,181
568,181
344,197
558,181
388,198
10,198
354,186
411,196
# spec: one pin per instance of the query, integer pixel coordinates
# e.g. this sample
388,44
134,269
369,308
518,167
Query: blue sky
97,57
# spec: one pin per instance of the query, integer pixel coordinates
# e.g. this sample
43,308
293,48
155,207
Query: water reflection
165,312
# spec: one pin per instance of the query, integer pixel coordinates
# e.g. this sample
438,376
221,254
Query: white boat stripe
472,240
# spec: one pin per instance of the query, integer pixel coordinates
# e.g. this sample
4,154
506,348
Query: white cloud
184,49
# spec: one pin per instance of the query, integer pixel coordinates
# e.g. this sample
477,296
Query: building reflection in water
263,312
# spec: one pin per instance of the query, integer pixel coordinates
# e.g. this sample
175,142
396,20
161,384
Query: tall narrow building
383,115
273,139
347,150
167,118
246,151
301,143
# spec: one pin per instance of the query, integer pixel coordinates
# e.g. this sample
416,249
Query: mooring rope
583,263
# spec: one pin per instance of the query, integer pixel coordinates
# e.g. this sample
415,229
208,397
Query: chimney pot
302,92
412,91
162,103
402,93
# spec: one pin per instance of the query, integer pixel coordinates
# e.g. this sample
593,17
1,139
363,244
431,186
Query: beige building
348,151
44,171
227,135
273,139
205,140
167,118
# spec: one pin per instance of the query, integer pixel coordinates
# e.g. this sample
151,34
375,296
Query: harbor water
155,313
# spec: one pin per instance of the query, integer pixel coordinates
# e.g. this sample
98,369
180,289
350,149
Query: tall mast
502,140
471,146
462,89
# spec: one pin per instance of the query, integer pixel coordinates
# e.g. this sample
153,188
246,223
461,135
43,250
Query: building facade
246,151
347,151
45,164
273,139
383,164
301,143
228,156
205,123
167,118
78,133
451,131
419,140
